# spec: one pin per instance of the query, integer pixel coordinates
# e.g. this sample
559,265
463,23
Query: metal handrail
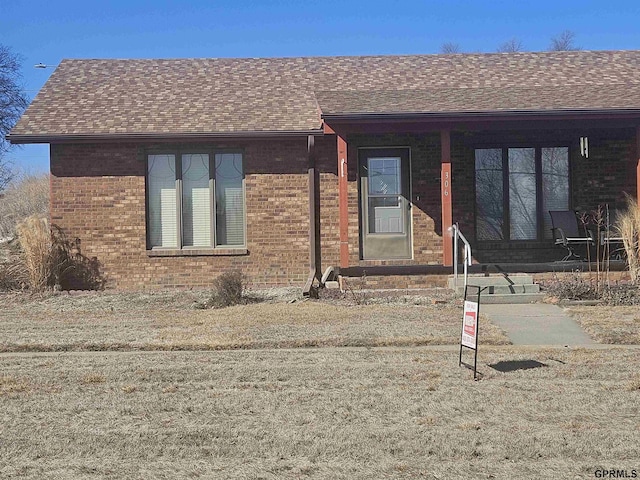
466,261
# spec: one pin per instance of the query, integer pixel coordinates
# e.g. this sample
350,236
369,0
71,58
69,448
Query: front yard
609,324
169,321
87,390
318,413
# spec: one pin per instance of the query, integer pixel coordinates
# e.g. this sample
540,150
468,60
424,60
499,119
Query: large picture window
516,188
195,200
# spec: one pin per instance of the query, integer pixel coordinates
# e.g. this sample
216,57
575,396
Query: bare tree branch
13,101
510,46
564,42
450,47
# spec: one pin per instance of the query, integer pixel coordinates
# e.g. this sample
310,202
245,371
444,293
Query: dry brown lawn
615,325
168,321
327,413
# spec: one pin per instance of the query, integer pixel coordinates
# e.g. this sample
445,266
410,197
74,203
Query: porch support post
638,165
314,218
343,201
445,193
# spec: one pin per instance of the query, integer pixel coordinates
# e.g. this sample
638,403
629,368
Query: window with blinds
184,192
163,215
229,200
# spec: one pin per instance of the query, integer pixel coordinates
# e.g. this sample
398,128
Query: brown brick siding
98,196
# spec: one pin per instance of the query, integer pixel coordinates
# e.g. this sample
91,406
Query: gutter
155,137
457,115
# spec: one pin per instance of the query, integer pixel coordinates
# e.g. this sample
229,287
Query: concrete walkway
536,324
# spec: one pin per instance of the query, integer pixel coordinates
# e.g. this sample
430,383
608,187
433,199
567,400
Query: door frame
408,196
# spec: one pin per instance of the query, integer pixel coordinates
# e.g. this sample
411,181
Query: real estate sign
470,325
469,336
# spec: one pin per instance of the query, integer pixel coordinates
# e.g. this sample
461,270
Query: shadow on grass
513,365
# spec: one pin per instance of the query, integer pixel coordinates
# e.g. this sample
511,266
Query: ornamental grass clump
44,254
628,226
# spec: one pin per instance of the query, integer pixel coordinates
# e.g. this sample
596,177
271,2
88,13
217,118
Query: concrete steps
499,288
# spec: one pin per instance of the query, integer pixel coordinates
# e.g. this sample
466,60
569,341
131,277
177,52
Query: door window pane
522,194
196,202
385,208
489,200
555,183
384,176
229,199
161,174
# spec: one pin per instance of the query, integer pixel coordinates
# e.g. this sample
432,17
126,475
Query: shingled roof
290,95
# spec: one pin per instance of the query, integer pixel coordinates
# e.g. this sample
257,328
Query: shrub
51,261
43,258
13,273
575,286
29,195
572,287
228,289
621,294
628,225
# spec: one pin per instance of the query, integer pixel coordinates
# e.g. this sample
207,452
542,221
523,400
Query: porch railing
466,259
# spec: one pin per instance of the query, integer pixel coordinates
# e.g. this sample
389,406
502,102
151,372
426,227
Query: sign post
469,335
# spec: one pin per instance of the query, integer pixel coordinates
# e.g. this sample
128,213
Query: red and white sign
470,325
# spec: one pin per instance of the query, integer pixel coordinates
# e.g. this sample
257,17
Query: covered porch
403,180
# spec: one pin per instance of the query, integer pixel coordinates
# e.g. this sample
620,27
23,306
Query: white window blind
161,174
229,199
196,201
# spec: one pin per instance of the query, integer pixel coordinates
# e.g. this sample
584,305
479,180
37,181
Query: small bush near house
575,286
51,261
228,289
44,258
572,286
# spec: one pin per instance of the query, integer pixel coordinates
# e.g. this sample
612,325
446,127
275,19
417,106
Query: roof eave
481,115
154,137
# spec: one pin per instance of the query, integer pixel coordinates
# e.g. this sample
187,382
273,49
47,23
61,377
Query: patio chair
567,232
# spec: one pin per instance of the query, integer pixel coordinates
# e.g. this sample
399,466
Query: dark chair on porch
567,232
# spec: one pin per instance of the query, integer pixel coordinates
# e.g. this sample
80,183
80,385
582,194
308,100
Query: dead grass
26,196
606,324
166,321
321,413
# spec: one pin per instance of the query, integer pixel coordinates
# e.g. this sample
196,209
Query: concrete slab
536,324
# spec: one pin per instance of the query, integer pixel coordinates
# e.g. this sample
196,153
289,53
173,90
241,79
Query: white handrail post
454,227
467,260
467,263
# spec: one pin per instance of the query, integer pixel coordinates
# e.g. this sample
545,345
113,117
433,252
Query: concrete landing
536,324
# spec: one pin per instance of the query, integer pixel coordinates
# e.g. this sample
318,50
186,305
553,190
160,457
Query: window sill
196,252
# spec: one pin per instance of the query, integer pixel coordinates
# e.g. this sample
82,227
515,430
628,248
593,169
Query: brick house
172,171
